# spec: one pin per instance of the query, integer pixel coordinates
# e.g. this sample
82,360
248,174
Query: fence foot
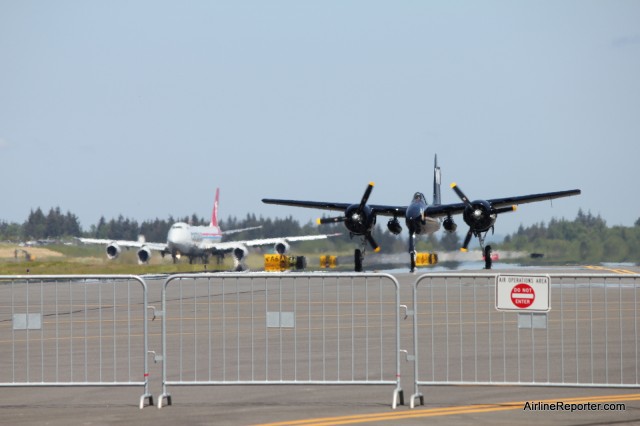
164,396
413,399
398,397
143,398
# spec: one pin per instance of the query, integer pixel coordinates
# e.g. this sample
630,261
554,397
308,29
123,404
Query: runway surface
325,404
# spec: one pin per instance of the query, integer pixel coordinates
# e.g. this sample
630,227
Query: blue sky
143,108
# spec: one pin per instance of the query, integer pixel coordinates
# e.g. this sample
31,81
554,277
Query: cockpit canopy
419,197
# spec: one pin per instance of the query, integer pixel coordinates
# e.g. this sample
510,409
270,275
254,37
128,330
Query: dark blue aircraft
420,217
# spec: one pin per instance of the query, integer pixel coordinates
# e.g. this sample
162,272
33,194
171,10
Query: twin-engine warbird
200,242
420,217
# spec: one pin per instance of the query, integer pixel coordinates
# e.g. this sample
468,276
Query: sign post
523,293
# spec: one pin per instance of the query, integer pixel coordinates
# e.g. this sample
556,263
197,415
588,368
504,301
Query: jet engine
113,251
281,247
239,253
144,254
394,226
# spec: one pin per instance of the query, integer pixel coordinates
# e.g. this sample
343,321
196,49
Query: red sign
522,295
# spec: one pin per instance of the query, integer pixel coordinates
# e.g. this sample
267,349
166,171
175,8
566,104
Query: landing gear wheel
358,260
487,257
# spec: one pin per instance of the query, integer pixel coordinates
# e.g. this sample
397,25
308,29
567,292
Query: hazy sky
143,108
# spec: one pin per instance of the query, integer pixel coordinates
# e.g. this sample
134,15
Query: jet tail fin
214,213
437,180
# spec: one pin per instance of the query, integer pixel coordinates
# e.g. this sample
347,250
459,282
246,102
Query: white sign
523,293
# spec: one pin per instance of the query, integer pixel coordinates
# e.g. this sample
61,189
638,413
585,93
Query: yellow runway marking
616,271
450,411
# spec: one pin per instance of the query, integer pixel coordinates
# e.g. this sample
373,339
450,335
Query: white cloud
3,143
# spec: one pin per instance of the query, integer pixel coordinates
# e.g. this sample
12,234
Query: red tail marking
214,213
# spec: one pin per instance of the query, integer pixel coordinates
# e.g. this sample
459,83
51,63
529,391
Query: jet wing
457,208
125,243
326,205
235,231
230,245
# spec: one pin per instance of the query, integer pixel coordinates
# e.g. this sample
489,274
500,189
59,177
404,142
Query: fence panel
588,338
268,328
74,330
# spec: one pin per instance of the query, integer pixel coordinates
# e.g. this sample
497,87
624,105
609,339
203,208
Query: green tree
36,225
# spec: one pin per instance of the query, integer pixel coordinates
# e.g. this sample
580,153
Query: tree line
586,238
56,225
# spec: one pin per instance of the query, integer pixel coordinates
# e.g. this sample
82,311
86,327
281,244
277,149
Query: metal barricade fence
74,330
280,329
588,338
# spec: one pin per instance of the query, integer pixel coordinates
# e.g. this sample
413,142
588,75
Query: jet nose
176,234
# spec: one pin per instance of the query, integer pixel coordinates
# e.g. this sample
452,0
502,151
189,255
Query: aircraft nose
175,234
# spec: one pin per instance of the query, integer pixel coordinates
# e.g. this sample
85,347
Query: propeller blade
506,209
372,242
458,191
324,220
467,239
365,197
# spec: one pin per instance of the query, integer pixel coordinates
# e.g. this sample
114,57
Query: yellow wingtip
377,249
464,250
318,221
371,183
453,185
514,207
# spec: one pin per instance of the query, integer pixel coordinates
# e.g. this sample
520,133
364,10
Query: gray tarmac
318,404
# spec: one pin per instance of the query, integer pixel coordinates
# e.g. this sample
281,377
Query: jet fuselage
184,238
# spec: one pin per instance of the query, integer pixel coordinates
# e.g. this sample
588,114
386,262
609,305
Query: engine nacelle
480,216
239,253
449,225
359,222
144,254
281,247
394,226
113,251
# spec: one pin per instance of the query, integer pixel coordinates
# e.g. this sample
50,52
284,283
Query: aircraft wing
230,245
326,205
457,208
432,211
322,205
235,231
125,243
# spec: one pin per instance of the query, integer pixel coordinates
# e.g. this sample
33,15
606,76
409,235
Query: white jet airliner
200,241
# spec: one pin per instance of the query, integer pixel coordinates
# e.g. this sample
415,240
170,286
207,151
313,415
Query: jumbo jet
200,242
421,218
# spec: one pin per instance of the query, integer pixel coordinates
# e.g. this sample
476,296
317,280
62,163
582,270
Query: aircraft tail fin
214,213
437,180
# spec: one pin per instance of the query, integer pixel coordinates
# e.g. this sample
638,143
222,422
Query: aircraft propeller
479,215
358,218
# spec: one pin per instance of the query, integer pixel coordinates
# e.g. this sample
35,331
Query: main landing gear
487,257
358,258
486,251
